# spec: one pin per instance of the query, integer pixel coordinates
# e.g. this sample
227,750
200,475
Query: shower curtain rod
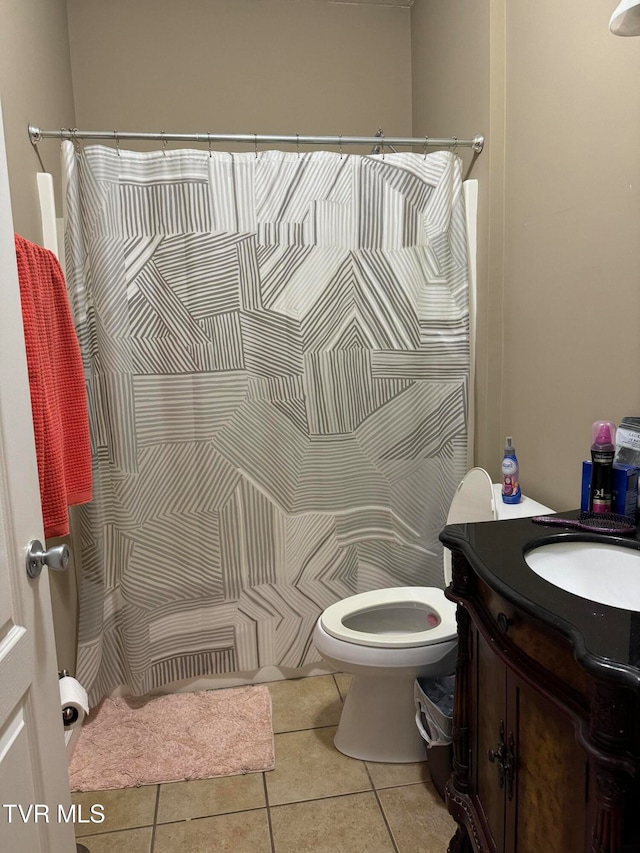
380,141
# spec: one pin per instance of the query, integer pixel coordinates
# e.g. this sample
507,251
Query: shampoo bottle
602,453
511,493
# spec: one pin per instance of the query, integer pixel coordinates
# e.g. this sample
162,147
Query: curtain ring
74,137
115,133
426,143
341,146
209,139
255,144
382,145
455,147
164,143
298,143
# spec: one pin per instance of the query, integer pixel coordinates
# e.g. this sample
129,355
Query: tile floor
316,799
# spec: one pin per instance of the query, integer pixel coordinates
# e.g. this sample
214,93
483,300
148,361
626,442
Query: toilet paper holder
69,715
64,673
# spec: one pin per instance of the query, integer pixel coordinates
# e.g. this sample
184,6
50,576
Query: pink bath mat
143,741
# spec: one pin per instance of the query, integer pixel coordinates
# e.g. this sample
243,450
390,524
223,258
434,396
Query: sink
602,572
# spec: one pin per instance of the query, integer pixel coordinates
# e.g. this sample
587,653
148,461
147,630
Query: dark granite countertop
606,639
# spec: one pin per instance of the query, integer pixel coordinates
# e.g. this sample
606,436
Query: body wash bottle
602,452
510,475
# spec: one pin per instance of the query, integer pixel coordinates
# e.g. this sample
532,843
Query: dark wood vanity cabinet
545,753
529,771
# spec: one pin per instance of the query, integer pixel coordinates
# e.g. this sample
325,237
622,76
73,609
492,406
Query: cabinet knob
497,756
503,756
504,622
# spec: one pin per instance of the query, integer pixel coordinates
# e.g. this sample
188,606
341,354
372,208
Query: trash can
434,718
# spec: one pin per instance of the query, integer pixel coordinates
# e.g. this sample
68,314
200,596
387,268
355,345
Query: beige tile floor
316,799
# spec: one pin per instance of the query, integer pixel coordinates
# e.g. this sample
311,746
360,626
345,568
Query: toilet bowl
386,638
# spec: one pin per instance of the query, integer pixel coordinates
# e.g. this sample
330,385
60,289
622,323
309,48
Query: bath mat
125,743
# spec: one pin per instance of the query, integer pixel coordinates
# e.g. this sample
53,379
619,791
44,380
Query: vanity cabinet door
530,777
548,809
490,686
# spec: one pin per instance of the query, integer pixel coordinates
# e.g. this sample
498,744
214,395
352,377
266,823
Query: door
34,786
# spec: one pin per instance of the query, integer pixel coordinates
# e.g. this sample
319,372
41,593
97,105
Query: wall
559,217
36,88
243,66
572,294
451,68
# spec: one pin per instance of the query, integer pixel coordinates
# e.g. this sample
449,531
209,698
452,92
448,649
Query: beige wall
36,88
572,262
559,219
243,66
451,67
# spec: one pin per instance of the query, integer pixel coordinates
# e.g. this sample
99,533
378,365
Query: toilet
387,638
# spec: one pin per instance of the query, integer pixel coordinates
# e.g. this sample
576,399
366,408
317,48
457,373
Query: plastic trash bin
434,717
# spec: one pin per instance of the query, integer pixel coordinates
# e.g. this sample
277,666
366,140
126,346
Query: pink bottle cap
603,434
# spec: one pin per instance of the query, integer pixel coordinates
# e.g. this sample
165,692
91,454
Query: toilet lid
392,618
474,500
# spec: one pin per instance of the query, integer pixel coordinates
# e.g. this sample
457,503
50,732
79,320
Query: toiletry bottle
602,453
511,493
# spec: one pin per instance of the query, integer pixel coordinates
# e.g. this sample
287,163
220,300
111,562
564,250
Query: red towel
56,381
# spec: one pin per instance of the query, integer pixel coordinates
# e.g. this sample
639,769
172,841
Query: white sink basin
606,573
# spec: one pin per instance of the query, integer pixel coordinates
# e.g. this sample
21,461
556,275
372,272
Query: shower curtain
276,350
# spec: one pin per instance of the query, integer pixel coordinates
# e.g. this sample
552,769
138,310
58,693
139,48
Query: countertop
606,639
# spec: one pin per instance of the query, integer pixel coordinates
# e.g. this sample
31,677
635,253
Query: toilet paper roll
73,701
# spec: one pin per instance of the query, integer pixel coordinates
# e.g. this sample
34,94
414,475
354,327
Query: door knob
55,558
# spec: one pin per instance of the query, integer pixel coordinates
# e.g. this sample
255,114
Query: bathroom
558,248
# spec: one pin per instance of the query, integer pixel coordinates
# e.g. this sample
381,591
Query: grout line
83,838
266,799
155,821
384,817
308,729
319,799
403,785
335,681
207,816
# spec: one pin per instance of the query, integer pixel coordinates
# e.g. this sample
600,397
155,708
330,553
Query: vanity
546,724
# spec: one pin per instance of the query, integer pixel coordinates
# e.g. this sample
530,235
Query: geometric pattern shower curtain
276,351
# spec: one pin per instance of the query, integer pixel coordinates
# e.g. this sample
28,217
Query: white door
34,785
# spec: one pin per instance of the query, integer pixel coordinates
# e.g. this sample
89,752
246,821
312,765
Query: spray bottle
511,493
602,452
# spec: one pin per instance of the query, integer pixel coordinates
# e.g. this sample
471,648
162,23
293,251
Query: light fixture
625,21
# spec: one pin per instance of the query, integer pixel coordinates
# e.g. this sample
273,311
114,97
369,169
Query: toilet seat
430,600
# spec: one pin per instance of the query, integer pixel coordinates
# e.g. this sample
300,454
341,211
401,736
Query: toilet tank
478,499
